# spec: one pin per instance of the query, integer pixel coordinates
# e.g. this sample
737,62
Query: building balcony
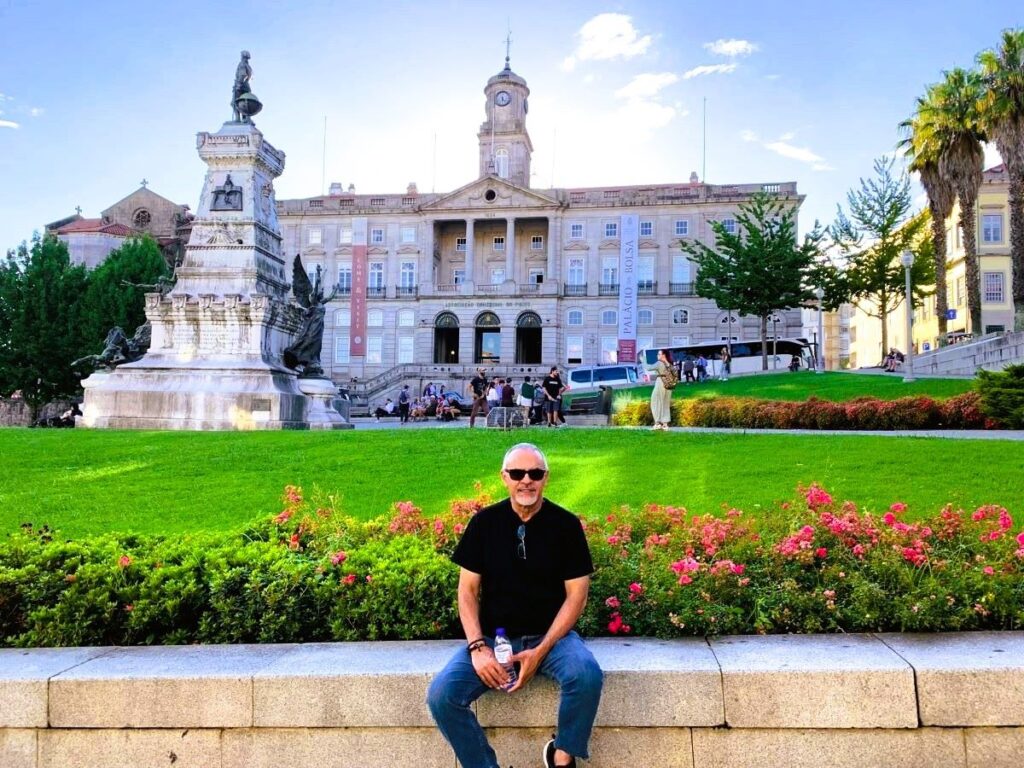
343,290
406,291
646,287
528,288
607,289
490,289
577,289
681,289
376,291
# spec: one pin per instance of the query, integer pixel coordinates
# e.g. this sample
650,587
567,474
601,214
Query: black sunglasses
521,548
519,474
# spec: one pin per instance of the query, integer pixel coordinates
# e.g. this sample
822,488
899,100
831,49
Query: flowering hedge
311,573
863,413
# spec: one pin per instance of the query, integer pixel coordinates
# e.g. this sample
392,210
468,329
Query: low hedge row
864,413
312,574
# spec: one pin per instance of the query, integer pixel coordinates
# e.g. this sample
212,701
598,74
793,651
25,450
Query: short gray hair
525,447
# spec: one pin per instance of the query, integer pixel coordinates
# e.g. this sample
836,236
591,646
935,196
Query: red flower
821,552
349,579
125,561
339,557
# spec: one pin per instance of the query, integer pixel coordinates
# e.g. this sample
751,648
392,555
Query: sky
95,97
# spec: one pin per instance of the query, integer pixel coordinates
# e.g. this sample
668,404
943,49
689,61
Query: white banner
629,227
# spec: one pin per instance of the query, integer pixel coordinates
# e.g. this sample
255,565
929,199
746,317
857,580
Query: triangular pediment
474,197
577,245
407,248
143,197
376,250
648,244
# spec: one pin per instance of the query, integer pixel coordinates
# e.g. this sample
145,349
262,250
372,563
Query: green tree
113,296
870,240
921,147
1002,115
761,267
953,112
40,328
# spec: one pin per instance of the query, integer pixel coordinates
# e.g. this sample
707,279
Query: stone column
554,246
428,272
468,287
510,249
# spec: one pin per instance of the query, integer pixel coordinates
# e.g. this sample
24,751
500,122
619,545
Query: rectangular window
994,287
609,349
729,225
341,349
536,276
376,274
682,227
460,244
537,243
407,274
345,236
377,236
680,269
405,349
610,270
408,234
992,228
960,289
458,276
344,278
499,243
374,350
575,231
316,203
573,350
577,197
497,276
646,228
576,274
315,236
377,201
611,229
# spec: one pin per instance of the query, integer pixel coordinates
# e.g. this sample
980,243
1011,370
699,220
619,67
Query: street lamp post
907,260
820,341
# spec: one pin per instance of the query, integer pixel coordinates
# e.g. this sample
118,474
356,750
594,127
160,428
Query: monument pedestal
215,358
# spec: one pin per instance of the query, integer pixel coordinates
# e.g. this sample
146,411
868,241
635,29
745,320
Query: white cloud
607,36
8,124
787,137
709,69
784,148
647,85
5,97
748,135
36,111
731,48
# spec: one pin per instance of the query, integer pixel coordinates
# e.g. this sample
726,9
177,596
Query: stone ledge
795,682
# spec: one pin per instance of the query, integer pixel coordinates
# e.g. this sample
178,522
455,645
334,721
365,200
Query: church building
516,279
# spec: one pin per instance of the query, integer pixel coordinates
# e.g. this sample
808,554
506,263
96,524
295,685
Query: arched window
142,219
487,320
574,317
645,317
501,163
374,319
406,318
680,317
528,320
342,318
446,320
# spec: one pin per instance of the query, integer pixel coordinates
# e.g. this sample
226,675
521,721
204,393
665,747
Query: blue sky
96,96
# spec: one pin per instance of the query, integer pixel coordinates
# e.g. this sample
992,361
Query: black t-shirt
523,595
478,384
552,385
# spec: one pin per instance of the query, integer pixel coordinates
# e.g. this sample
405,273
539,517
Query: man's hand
488,669
529,662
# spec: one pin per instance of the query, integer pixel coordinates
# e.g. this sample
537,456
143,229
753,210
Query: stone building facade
499,274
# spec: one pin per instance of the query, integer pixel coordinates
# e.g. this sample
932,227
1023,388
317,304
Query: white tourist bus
746,355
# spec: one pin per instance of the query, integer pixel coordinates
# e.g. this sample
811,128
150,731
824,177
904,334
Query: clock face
502,98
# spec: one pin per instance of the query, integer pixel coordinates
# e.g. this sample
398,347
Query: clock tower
505,146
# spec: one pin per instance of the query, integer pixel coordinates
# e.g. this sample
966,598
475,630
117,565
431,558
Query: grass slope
83,481
825,386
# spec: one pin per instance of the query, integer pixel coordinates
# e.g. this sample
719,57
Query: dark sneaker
549,757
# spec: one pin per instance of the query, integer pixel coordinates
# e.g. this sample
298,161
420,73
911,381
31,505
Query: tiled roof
96,226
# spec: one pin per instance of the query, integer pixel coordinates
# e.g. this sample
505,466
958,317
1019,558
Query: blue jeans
570,664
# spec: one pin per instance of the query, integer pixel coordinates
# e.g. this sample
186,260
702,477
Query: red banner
357,338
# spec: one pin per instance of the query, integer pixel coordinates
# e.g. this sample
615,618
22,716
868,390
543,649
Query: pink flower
349,579
898,507
615,624
458,528
1020,538
283,517
686,565
988,570
978,514
817,497
125,561
635,588
612,602
613,540
821,552
684,580
339,557
129,608
738,568
858,550
438,527
369,578
888,518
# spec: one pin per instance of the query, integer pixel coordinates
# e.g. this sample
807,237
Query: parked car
588,378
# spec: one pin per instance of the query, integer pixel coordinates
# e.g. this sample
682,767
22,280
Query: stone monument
215,360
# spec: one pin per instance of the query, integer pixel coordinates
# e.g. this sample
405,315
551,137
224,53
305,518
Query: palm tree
922,151
952,110
1002,107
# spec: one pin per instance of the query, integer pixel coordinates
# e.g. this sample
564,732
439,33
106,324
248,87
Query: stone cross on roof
144,183
78,210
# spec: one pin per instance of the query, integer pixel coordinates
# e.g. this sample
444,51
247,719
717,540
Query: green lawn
83,481
826,386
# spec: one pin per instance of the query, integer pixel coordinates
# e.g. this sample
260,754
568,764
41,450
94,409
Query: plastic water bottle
503,653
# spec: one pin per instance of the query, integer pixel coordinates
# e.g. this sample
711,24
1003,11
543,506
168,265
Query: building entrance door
528,339
487,346
446,339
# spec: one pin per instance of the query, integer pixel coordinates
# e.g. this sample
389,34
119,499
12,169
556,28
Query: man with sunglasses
525,567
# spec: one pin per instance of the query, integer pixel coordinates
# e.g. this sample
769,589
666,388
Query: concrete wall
992,354
16,413
952,700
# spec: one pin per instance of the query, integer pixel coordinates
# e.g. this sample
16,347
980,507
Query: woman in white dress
661,398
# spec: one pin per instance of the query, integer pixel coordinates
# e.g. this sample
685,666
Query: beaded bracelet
476,644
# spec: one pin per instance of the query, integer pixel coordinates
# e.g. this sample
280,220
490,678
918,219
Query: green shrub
1002,395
